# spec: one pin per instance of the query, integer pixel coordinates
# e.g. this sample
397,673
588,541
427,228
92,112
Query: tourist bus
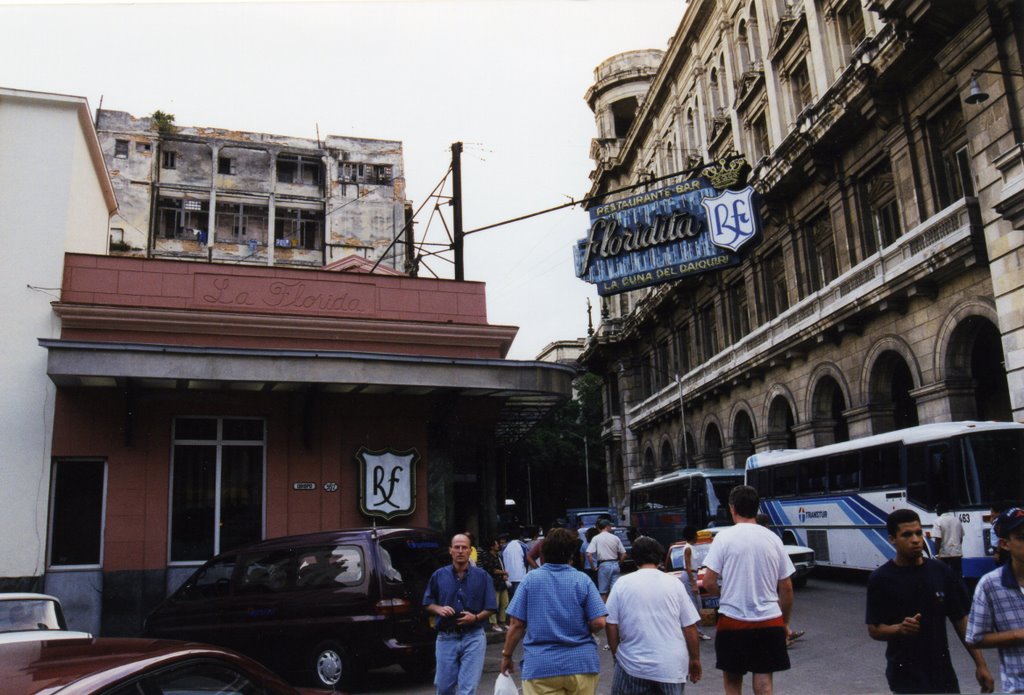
835,498
699,498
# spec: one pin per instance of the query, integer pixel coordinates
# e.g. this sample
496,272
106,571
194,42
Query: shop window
121,149
216,486
298,228
76,513
169,159
298,169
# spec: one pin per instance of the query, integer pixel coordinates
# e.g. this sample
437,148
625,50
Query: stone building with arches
887,288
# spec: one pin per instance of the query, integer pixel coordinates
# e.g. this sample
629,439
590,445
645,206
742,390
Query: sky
505,77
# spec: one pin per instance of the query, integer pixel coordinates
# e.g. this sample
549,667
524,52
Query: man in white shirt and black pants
756,596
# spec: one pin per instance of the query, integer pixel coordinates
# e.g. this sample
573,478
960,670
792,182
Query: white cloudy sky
506,77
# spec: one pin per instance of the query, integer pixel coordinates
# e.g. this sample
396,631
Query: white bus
835,498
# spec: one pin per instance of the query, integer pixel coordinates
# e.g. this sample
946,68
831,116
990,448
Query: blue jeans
460,662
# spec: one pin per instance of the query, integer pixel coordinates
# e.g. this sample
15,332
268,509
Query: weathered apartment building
887,289
197,193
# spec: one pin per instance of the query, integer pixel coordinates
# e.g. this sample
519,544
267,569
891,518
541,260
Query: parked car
26,617
319,608
801,556
86,666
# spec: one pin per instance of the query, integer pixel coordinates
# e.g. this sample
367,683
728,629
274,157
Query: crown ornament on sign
726,173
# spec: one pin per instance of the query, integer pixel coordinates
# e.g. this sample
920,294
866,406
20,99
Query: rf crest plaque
387,478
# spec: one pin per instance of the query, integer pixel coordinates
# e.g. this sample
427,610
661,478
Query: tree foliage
550,461
164,122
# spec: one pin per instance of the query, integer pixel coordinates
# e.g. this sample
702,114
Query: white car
28,617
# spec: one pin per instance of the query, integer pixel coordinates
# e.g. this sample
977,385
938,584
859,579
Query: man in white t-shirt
514,559
652,628
948,533
756,596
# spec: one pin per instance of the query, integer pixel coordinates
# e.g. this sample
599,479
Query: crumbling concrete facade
231,196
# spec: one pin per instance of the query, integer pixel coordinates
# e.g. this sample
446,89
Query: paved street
835,656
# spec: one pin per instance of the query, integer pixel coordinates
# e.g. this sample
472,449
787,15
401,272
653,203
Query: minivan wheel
331,667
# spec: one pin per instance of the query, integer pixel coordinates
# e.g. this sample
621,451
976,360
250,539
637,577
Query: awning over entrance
528,390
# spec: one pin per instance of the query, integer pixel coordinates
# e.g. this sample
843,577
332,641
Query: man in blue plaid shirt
997,612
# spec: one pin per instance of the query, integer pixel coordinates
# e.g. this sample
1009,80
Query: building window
121,149
684,359
801,82
297,169
356,172
169,159
661,365
77,490
143,147
216,486
953,176
883,228
298,228
239,223
382,173
850,19
612,382
820,246
759,146
739,317
708,332
225,165
182,218
776,287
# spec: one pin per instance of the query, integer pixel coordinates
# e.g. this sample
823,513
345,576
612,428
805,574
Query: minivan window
327,566
210,581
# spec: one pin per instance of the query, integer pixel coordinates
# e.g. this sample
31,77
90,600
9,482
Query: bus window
929,475
784,480
844,471
812,476
880,467
718,498
993,468
760,479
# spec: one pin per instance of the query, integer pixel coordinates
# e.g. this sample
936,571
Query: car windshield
28,614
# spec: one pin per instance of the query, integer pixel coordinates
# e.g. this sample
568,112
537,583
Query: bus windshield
993,469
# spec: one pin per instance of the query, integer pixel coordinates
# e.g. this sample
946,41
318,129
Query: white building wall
53,198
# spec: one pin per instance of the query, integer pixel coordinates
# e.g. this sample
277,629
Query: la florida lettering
672,272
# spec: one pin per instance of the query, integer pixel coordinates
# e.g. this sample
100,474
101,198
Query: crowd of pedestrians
652,621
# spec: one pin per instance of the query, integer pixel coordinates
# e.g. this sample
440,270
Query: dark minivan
319,608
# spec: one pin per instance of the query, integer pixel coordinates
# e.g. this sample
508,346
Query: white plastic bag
504,685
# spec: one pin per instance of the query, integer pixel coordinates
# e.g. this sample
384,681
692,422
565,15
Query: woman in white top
689,576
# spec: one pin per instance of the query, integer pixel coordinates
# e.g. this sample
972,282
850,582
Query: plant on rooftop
164,122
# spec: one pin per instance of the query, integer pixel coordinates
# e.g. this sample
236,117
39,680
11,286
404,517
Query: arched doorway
712,447
891,384
827,408
742,439
667,459
648,468
780,424
689,451
976,356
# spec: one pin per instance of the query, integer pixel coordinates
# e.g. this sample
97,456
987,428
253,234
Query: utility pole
456,203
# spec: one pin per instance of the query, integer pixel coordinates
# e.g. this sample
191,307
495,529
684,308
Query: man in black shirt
909,599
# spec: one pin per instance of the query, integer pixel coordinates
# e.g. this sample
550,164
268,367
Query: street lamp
977,95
